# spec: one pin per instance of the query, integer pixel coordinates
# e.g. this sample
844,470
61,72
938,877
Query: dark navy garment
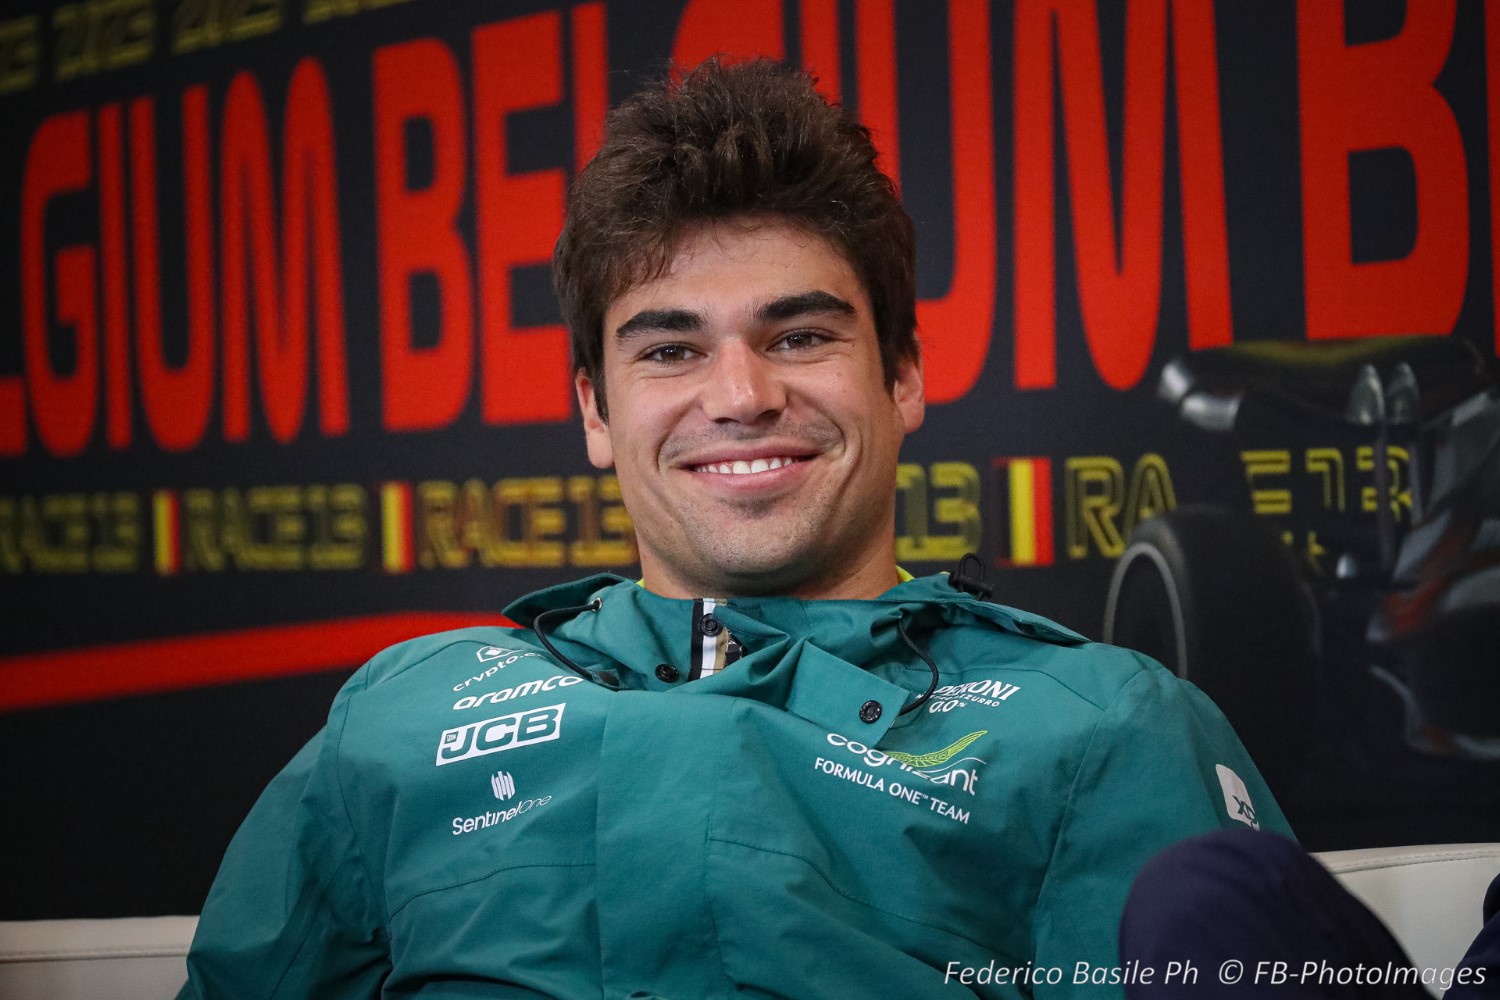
1239,895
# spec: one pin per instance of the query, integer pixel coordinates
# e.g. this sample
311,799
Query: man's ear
595,429
911,400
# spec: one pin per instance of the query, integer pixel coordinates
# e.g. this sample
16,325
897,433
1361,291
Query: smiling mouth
745,468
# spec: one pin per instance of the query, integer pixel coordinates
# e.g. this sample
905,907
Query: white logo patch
503,784
1236,797
505,732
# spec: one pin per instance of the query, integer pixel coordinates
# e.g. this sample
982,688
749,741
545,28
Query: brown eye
667,353
799,340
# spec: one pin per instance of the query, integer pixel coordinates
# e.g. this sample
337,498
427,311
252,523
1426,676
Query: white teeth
742,468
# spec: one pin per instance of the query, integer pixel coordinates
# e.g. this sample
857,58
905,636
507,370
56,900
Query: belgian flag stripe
1030,493
395,527
164,521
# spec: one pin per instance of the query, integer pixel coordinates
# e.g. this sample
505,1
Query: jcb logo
504,733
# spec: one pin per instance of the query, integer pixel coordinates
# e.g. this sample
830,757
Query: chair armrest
1429,896
125,958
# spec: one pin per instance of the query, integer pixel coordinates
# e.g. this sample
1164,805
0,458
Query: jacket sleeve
292,912
1162,764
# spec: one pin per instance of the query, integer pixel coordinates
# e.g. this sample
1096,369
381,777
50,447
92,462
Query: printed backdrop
282,380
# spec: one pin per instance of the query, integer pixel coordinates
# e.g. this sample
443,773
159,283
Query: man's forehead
688,280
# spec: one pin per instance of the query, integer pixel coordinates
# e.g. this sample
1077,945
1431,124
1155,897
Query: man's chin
759,571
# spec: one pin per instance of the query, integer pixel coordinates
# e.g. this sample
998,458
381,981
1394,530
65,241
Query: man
776,765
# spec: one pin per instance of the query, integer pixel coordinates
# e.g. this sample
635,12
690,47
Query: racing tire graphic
1215,597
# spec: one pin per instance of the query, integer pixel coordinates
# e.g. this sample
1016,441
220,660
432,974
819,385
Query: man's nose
744,385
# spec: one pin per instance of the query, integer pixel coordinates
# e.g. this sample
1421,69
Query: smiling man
776,766
754,434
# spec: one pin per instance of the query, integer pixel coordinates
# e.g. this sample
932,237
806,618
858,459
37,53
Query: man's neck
863,580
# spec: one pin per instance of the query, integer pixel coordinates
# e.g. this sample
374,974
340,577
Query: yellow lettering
338,517
959,511
273,529
1397,460
1151,491
118,517
20,53
1093,491
1329,464
605,534
1314,552
201,528
10,530
1263,464
544,521
439,545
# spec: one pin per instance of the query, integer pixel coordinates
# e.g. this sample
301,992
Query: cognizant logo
503,733
938,766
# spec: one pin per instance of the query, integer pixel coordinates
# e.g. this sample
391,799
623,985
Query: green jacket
476,819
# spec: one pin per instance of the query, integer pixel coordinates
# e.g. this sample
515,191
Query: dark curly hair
752,138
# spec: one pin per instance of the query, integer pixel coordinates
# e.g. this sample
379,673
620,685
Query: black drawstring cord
901,628
960,578
536,628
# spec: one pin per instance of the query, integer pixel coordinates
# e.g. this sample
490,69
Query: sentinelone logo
505,732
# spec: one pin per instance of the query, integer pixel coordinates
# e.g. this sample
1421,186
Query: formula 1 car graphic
1338,572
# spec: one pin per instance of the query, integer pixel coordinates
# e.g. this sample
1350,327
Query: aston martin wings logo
937,757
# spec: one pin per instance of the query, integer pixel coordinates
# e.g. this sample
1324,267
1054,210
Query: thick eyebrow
778,310
802,304
659,321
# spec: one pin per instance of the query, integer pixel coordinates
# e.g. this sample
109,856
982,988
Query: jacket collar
807,656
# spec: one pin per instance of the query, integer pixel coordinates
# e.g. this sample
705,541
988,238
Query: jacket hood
813,657
917,596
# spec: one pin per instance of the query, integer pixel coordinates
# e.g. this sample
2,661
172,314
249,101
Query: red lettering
245,190
736,30
526,371
819,32
309,185
875,68
177,401
64,404
425,387
955,328
1119,270
12,415
310,195
1380,95
590,81
117,421
1205,233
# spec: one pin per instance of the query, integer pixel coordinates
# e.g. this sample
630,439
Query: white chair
121,959
1428,896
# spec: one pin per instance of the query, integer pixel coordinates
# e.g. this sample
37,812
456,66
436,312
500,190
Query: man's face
749,420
